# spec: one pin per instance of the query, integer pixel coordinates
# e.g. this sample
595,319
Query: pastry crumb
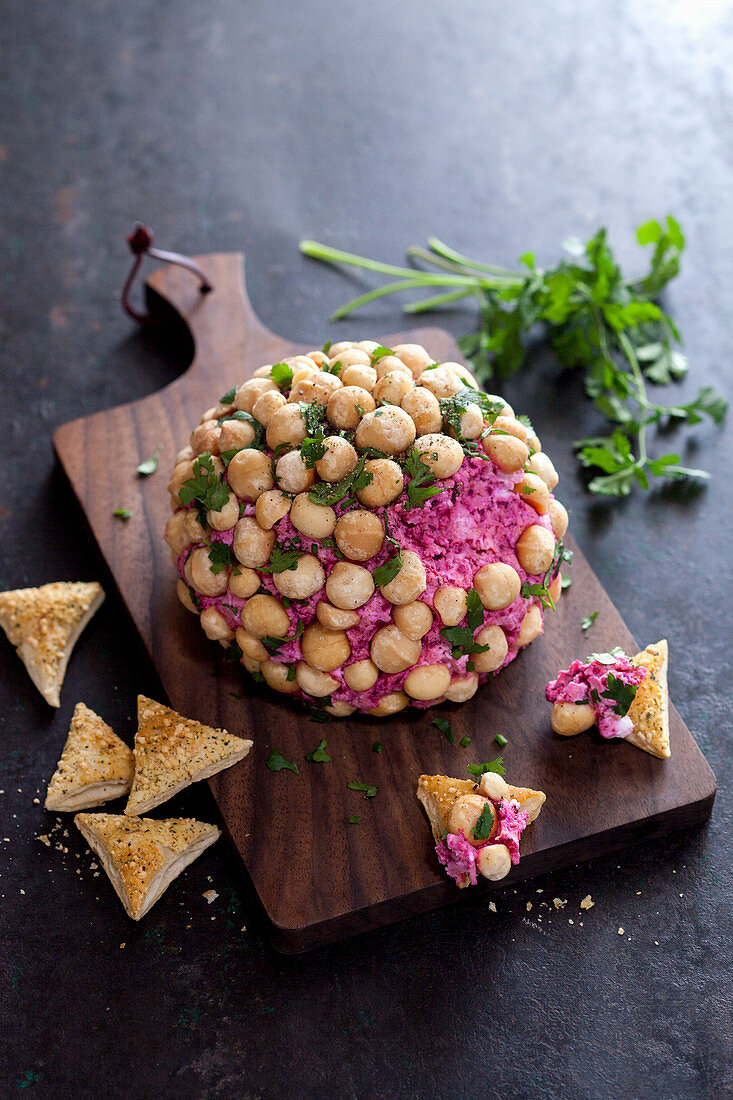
492,906
620,931
570,920
559,903
122,946
587,902
44,839
210,895
528,906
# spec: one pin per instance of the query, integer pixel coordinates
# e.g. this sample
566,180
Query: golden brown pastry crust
437,793
171,752
44,623
95,765
649,711
142,856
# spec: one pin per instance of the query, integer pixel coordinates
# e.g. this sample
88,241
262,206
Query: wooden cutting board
318,877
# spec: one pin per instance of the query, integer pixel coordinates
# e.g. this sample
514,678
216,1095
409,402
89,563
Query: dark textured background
231,126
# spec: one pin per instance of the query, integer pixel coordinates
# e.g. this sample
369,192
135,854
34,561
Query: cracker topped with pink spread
364,529
623,696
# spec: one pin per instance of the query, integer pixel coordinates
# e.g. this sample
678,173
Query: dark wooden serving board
319,878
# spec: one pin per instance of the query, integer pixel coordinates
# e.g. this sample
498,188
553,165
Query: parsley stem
449,253
437,300
641,396
466,267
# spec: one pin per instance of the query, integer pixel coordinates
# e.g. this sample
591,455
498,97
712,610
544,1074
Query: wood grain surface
317,877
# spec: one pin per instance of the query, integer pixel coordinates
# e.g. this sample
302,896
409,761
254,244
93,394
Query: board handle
225,330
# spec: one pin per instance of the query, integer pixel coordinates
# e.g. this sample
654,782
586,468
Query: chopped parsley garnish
452,408
359,478
377,746
492,766
355,785
461,637
220,556
327,347
312,448
204,489
276,762
540,591
588,621
566,582
150,465
465,742
282,375
500,740
333,368
622,694
354,819
291,673
313,414
122,513
484,825
319,755
284,556
387,572
228,397
273,644
445,728
608,658
233,652
247,418
380,352
421,486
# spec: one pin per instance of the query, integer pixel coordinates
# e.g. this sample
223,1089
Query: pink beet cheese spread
608,685
458,856
477,519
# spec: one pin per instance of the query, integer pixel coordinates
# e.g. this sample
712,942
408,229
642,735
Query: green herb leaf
621,693
539,590
445,728
484,825
500,740
319,755
383,574
566,582
465,742
228,397
377,746
478,770
313,414
380,352
461,637
355,785
610,658
588,621
274,644
220,556
354,819
452,408
282,375
284,556
204,489
359,478
313,448
421,486
276,762
150,465
122,513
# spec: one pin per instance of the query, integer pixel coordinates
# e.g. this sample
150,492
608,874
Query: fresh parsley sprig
461,637
596,320
331,493
421,486
204,489
477,770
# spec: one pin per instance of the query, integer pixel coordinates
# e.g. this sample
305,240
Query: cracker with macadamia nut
477,825
364,529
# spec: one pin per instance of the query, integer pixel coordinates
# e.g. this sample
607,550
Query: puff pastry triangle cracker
171,752
437,793
650,709
142,856
44,623
95,765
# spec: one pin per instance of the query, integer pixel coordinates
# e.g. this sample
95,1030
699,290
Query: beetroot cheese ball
364,529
